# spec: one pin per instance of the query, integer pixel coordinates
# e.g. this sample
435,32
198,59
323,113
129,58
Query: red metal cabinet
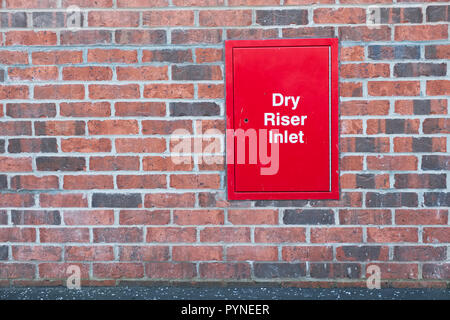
282,119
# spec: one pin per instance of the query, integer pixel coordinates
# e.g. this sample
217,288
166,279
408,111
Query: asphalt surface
218,293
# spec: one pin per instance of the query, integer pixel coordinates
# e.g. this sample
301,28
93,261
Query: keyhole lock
245,120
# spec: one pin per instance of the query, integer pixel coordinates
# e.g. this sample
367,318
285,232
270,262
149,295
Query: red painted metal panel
282,119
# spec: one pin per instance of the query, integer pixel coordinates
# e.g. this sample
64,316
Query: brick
361,107
53,270
340,15
88,217
49,19
392,234
336,235
141,3
397,163
112,56
422,144
92,73
170,270
36,253
214,18
362,253
85,37
280,235
198,217
38,4
65,91
145,217
216,270
60,235
196,72
203,181
437,13
111,200
197,253
18,235
253,34
364,181
196,36
393,126
31,110
198,3
394,199
4,253
396,52
59,128
60,164
307,253
67,200
17,271
113,127
168,18
421,107
169,91
35,217
88,182
421,217
420,33
112,163
14,92
438,87
420,69
419,253
167,55
354,53
143,253
104,91
85,109
351,163
420,181
165,127
118,270
34,183
308,32
281,17
363,33
121,235
308,216
33,73
56,57
434,162
13,57
169,200
365,216
9,164
437,199
146,37
155,163
279,270
433,52
89,253
253,217
171,234
140,109
400,15
350,89
364,70
146,73
436,271
335,270
252,253
30,38
436,235
88,3
187,109
210,91
152,181
146,145
351,126
436,125
85,145
391,88
3,217
225,234
113,19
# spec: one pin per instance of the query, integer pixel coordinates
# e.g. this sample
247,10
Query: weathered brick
308,216
279,270
281,17
119,200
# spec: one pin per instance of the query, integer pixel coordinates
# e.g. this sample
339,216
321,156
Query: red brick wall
86,117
